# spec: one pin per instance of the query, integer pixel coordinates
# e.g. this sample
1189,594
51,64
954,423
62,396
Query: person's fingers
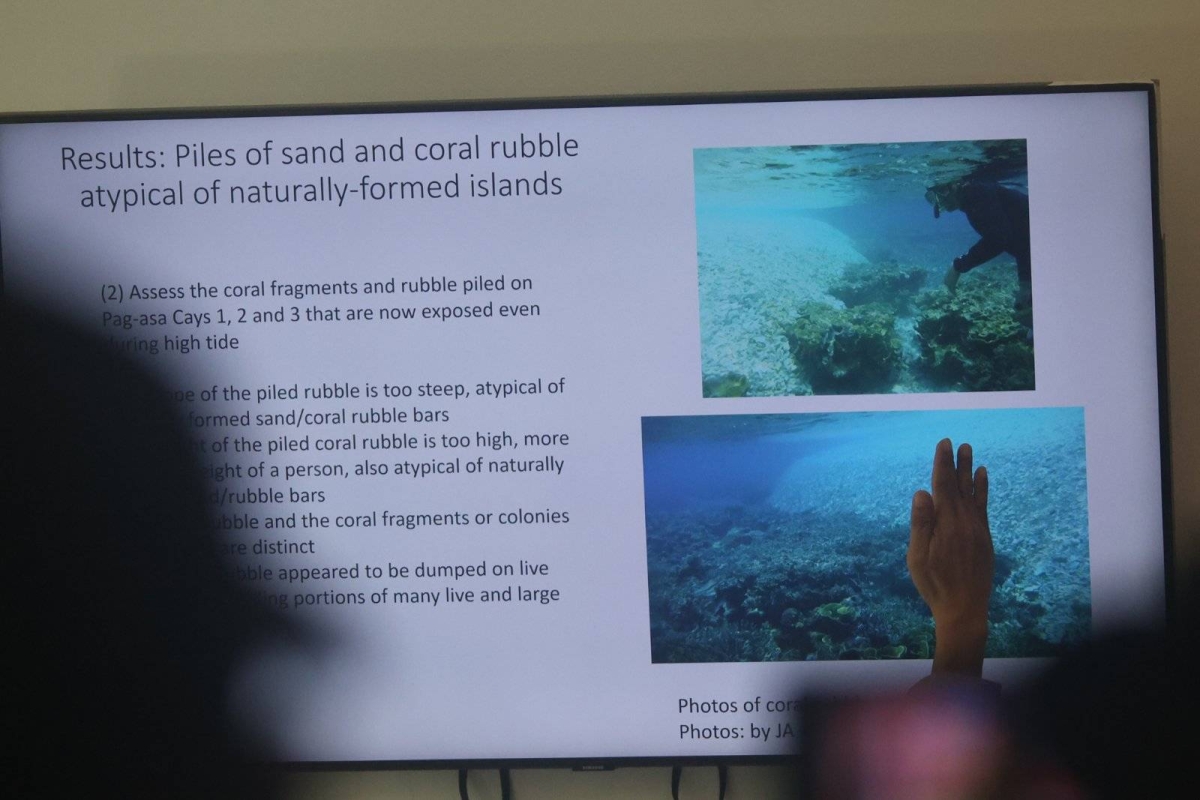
920,529
981,490
945,481
965,468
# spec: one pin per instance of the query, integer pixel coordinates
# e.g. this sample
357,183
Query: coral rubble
886,282
731,384
972,340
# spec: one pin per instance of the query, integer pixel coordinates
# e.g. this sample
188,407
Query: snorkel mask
944,197
931,195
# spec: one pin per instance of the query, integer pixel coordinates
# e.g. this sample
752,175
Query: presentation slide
592,432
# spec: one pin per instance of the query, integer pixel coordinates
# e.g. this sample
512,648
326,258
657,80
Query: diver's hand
952,276
951,560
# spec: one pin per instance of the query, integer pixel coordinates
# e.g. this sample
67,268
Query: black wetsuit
1000,216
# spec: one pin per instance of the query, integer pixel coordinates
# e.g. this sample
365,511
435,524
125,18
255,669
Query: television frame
650,100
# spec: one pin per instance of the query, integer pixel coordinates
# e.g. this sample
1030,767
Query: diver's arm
988,212
980,253
989,215
951,279
984,250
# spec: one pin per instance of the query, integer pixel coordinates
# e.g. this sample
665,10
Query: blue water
777,226
873,193
719,461
749,516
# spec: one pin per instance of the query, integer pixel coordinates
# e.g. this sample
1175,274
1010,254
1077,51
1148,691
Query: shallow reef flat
841,325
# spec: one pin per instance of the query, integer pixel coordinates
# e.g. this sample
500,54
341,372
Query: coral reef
731,384
759,584
886,282
778,587
846,351
972,340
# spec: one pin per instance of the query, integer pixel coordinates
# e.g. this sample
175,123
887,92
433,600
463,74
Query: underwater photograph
782,537
864,268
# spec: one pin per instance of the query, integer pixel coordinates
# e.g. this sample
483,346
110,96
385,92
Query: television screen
589,429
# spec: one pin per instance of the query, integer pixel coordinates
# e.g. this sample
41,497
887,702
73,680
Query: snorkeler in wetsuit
1000,215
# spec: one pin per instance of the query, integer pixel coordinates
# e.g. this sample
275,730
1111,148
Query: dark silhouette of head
125,629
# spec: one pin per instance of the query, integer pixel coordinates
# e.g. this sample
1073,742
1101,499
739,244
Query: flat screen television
590,426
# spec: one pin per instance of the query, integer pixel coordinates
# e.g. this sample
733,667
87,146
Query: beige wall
70,55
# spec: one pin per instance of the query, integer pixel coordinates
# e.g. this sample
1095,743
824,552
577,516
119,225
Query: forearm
981,252
959,648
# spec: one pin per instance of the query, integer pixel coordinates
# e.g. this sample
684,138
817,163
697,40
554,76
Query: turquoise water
761,526
779,227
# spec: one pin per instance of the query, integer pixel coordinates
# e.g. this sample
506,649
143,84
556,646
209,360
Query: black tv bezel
1149,88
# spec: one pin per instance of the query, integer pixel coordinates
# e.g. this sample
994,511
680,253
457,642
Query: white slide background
613,267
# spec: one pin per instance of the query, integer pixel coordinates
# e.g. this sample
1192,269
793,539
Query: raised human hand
951,560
